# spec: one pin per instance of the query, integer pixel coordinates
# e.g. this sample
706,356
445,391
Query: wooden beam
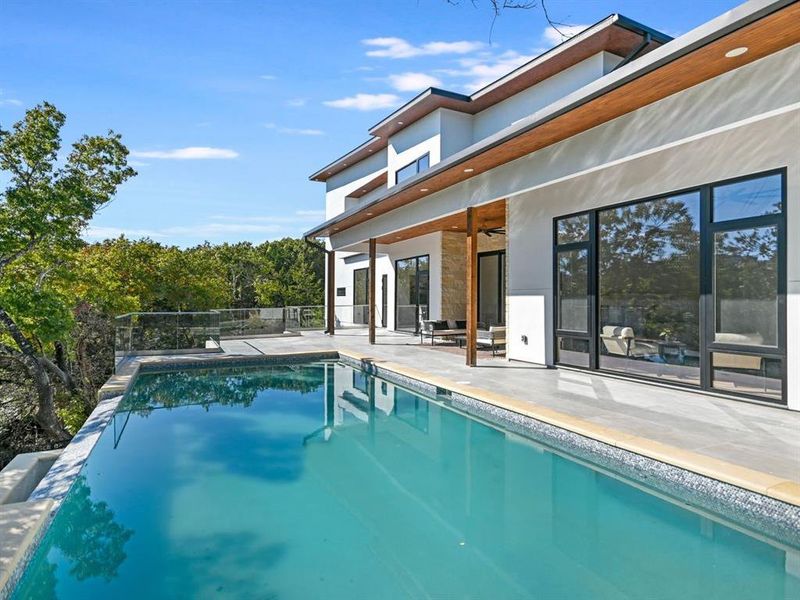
371,286
330,299
472,287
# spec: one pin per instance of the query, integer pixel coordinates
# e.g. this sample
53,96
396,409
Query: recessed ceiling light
397,237
423,189
336,229
369,214
468,170
345,164
399,122
453,226
736,52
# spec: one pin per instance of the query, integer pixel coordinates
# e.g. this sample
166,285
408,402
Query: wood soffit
774,32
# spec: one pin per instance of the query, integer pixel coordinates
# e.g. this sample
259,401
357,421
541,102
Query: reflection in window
649,288
746,286
573,351
411,409
750,198
573,288
411,169
573,229
747,374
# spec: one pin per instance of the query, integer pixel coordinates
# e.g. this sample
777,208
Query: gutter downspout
646,39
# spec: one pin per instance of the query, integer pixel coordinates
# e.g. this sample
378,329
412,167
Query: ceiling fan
490,231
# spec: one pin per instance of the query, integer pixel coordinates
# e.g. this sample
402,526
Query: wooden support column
472,287
330,295
371,288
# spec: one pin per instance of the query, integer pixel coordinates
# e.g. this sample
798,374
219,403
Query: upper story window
411,169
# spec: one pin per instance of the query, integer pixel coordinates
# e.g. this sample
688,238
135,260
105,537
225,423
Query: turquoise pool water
318,481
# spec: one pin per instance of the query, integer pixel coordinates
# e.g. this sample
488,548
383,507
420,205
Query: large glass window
412,284
491,288
573,290
687,288
411,169
649,270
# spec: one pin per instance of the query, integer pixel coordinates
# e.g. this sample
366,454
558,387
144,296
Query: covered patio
472,308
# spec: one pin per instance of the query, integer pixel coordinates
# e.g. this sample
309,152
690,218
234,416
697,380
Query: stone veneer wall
454,270
454,275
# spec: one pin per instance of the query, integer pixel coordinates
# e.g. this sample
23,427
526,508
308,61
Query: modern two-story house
625,203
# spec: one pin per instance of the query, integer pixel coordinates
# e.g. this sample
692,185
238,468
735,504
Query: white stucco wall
410,143
430,244
525,103
339,186
739,123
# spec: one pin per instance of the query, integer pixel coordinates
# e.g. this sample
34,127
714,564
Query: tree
293,274
42,213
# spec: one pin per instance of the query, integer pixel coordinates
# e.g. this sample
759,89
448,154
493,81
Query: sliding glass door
412,285
649,288
492,288
690,288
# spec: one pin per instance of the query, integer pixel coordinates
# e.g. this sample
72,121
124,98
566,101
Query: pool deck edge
772,486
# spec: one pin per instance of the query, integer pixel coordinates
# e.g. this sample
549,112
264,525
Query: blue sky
227,107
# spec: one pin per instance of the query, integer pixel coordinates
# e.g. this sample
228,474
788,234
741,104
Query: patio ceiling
663,72
490,216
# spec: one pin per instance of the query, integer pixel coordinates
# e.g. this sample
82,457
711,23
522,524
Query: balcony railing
166,333
147,333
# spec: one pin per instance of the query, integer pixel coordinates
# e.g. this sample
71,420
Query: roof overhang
616,34
763,26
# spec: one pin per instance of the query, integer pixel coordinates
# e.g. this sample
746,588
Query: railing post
371,289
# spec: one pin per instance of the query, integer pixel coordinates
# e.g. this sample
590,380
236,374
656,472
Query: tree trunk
46,409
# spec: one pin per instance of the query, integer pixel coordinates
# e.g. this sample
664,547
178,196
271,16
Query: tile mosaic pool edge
746,508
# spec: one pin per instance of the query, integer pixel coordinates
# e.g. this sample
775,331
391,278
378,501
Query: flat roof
764,26
616,34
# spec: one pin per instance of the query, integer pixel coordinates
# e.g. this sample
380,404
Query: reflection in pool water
319,481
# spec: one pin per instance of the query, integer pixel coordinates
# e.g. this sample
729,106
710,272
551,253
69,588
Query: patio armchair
440,328
494,337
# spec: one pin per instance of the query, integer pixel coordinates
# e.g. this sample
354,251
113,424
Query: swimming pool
319,480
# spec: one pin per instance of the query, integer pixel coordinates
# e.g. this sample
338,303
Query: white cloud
393,47
553,36
138,163
10,102
365,102
189,153
296,102
301,131
218,227
94,232
268,77
293,130
413,82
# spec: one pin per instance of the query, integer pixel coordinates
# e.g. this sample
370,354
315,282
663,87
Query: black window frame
416,280
341,291
415,162
708,228
501,284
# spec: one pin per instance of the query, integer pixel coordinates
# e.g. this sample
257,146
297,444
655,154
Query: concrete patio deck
762,438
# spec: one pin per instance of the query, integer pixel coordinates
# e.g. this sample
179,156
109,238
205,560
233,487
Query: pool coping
772,502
